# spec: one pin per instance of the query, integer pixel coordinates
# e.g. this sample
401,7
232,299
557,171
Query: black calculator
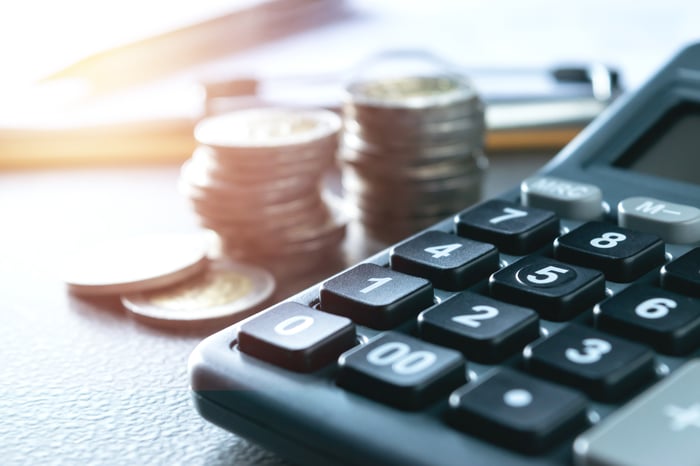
558,323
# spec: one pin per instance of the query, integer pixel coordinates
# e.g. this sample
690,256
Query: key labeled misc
483,329
448,261
557,291
376,296
401,370
513,228
661,426
569,199
296,337
518,411
668,321
606,367
622,254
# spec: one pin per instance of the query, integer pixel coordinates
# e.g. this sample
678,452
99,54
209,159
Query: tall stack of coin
256,180
412,149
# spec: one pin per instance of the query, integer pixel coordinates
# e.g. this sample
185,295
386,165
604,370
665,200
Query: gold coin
225,290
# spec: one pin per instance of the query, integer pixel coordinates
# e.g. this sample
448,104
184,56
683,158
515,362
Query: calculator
558,323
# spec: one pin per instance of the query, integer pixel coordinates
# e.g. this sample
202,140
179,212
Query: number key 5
557,291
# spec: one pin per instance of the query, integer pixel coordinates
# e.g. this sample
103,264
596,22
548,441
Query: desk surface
80,380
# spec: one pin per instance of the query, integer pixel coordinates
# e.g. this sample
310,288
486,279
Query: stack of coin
412,149
256,179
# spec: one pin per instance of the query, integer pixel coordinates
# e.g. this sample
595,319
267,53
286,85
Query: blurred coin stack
256,179
412,149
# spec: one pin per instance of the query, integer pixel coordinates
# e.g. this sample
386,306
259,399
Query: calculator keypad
441,301
400,370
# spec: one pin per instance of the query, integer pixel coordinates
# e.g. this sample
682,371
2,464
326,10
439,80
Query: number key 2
557,291
400,370
513,228
450,262
376,296
483,329
624,255
606,367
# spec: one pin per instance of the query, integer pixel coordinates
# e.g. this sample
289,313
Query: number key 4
450,262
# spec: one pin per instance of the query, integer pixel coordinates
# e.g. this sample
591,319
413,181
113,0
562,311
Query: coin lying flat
225,290
135,264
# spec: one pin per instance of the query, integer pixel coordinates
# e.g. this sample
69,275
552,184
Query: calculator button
519,411
623,255
557,291
296,337
670,322
683,274
513,228
675,223
662,426
483,329
376,296
570,199
604,366
401,370
450,262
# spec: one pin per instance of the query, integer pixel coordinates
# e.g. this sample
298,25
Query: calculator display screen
670,148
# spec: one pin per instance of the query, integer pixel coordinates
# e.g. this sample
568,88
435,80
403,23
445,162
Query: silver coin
400,138
411,92
135,263
354,143
225,290
267,128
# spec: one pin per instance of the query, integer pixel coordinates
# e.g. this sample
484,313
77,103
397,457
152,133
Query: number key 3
604,366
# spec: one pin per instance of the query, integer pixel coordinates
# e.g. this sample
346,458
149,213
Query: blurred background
88,82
